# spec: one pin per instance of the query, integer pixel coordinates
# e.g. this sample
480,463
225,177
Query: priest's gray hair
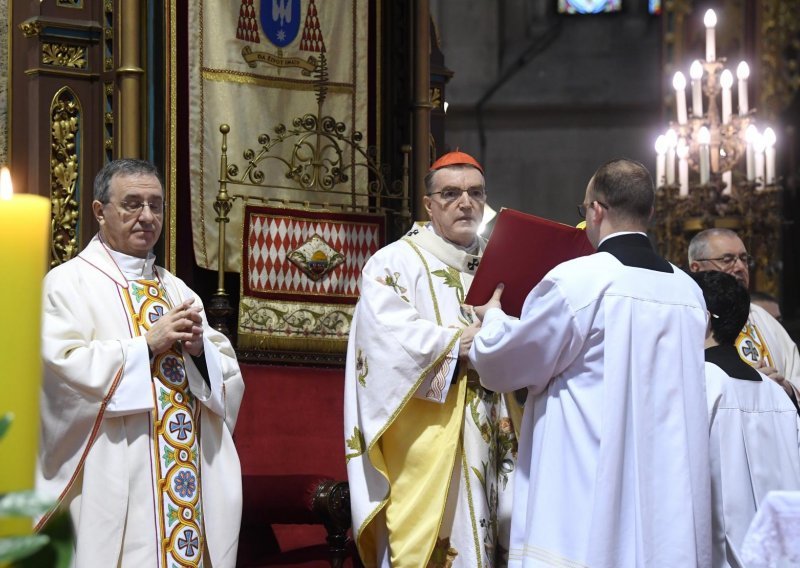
122,167
626,186
698,246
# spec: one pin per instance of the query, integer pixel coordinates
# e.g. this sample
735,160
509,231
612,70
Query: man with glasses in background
429,451
139,396
763,342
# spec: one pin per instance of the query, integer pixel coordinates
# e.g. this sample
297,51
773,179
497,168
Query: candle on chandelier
726,82
672,141
683,167
750,137
704,139
759,145
769,152
24,246
679,82
743,72
696,73
727,180
710,21
661,159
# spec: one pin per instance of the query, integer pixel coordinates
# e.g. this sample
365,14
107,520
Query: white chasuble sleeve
87,353
397,329
510,353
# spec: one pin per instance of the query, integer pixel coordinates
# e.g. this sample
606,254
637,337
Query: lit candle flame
769,137
679,81
661,144
672,138
743,70
726,79
6,191
710,19
696,70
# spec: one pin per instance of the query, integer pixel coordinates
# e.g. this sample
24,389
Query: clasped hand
182,323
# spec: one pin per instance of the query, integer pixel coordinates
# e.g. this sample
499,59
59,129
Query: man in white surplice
754,436
429,451
613,466
139,396
763,341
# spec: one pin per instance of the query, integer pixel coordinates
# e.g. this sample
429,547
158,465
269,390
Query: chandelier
714,167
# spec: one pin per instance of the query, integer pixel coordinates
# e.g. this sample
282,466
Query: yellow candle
24,237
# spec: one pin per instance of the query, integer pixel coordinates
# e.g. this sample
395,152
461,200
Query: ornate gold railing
319,170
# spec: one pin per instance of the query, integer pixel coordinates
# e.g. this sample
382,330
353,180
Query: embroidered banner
260,66
300,276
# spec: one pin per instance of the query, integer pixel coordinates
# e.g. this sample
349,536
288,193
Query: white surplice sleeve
510,354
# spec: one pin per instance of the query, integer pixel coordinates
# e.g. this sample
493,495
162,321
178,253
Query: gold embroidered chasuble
429,450
175,422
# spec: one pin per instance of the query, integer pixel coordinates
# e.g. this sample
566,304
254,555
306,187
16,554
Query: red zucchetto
455,159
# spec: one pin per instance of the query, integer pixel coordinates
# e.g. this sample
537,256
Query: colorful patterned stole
176,448
752,347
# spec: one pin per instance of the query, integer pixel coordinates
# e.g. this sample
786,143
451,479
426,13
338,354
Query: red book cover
522,249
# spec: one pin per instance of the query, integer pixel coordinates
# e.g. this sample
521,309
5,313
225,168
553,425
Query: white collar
473,249
133,267
618,233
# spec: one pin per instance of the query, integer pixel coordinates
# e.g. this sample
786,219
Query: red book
522,249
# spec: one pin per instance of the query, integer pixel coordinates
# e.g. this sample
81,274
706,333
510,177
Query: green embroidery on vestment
356,442
452,278
362,367
168,456
172,514
137,290
163,397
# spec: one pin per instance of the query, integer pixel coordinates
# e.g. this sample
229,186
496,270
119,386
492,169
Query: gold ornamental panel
61,55
65,142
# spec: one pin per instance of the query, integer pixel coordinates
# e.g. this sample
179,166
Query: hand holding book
522,249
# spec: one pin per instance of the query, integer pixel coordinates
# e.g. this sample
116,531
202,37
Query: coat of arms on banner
300,276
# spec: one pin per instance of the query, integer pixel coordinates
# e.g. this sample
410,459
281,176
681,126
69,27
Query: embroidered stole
176,449
752,347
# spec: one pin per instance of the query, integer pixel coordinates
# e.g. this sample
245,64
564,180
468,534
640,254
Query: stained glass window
589,6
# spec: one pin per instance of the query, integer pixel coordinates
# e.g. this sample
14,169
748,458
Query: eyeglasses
728,261
583,207
450,195
136,206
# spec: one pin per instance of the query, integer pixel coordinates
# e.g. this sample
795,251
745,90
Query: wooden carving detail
61,55
65,117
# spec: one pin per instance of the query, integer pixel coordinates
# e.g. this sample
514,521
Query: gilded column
129,78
